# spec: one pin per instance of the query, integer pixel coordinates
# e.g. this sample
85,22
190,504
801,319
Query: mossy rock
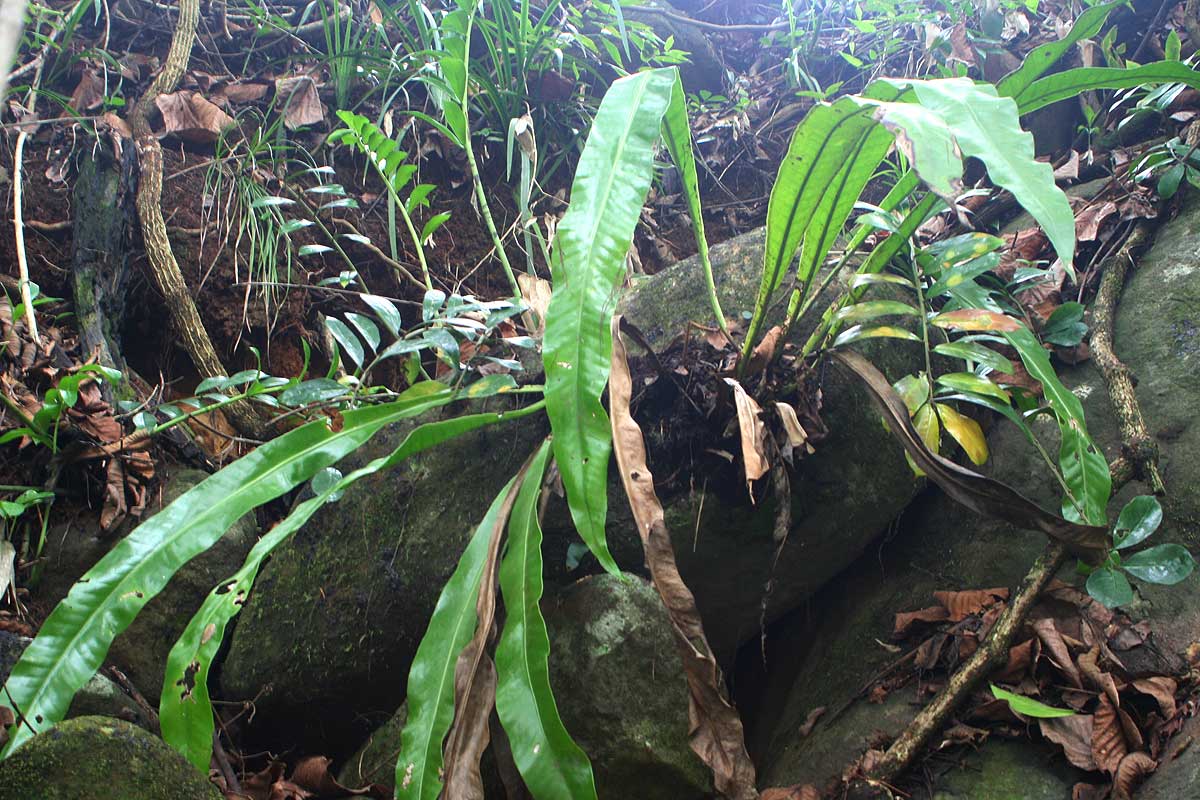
76,544
620,689
1007,770
331,628
99,758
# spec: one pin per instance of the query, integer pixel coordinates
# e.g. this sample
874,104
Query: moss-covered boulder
331,628
99,758
943,546
76,544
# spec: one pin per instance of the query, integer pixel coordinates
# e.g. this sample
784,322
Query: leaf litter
1067,656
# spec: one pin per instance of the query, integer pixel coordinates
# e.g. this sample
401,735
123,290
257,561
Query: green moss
1008,770
99,758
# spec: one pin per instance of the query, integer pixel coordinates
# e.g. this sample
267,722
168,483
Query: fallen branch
1137,445
992,654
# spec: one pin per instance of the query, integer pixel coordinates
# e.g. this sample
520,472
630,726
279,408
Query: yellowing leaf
965,431
926,423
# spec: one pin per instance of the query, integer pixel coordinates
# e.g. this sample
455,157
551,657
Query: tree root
164,269
1139,459
1138,447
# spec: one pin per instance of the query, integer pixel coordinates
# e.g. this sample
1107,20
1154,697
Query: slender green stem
476,179
416,239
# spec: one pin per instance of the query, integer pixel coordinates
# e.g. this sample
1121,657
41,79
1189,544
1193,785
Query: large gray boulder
75,544
99,758
943,546
331,628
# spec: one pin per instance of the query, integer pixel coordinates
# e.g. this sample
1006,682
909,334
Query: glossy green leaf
986,126
1140,517
367,328
431,677
611,182
1084,467
1065,327
957,277
184,707
1028,706
74,639
1109,587
876,332
973,351
913,390
551,764
317,390
677,135
970,382
1168,182
346,339
946,253
831,155
871,309
965,431
925,421
975,319
1164,563
385,310
1070,83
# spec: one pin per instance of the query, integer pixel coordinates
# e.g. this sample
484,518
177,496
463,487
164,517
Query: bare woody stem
1138,446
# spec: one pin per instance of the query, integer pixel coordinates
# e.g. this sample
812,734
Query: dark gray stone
339,610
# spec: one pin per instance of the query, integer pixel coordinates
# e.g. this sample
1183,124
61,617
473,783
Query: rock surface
620,689
942,546
73,547
99,758
332,626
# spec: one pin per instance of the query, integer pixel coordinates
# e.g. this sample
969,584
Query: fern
390,164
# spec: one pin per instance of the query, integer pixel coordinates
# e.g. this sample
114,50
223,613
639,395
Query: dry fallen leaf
753,435
1162,689
715,729
963,604
1108,740
798,792
301,102
536,292
1074,736
1132,769
192,118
